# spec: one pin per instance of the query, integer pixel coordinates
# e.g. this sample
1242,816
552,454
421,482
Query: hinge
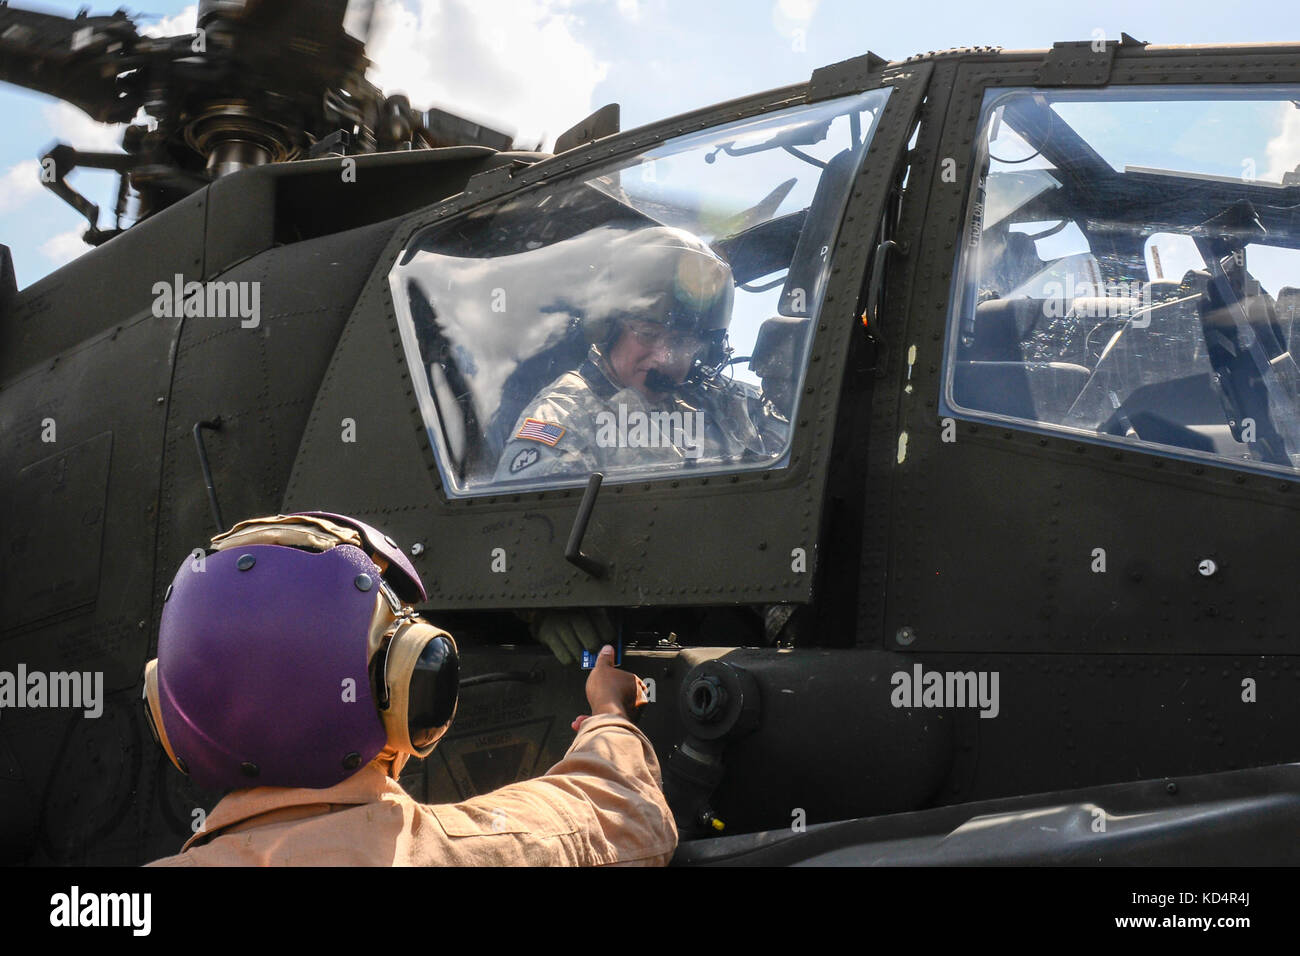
604,122
847,76
1077,63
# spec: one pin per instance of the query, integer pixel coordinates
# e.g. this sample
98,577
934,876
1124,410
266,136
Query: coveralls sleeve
565,449
602,804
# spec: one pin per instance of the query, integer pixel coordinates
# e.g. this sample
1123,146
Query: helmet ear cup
422,674
153,714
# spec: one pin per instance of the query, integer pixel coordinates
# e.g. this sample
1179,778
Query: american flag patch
545,432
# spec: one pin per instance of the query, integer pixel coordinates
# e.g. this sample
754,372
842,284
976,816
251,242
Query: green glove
566,632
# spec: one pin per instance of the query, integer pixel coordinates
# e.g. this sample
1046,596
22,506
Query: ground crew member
293,671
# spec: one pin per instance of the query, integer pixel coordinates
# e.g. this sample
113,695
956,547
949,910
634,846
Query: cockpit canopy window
652,318
1131,270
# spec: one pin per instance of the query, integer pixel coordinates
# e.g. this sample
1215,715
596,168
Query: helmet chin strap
391,761
702,375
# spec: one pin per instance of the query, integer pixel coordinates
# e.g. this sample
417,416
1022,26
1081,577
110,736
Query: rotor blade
297,17
365,19
73,59
763,210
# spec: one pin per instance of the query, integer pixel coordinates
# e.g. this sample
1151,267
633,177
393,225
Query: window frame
436,415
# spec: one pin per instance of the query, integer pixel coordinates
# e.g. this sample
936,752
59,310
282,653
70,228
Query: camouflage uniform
579,424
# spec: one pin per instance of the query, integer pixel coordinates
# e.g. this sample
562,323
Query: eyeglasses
650,334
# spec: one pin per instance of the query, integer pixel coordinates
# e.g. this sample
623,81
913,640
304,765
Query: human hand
613,691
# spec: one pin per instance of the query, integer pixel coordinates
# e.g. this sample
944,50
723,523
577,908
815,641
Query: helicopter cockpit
499,304
1131,270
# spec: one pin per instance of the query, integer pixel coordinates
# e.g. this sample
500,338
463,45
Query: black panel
102,288
317,199
994,534
260,381
834,740
890,360
241,218
978,553
79,595
54,530
1230,819
8,282
288,202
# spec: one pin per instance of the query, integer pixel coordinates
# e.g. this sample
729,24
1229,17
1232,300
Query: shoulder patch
534,429
526,457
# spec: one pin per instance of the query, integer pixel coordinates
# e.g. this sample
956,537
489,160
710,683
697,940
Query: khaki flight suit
588,418
603,804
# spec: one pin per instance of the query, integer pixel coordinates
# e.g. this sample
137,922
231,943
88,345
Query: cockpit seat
530,376
778,358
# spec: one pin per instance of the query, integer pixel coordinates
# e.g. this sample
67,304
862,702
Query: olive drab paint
997,501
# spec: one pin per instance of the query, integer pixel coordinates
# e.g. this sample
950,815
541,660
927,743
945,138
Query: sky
536,67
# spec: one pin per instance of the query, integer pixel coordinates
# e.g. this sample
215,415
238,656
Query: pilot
650,393
293,672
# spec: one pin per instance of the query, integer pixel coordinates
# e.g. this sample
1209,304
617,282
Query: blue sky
538,66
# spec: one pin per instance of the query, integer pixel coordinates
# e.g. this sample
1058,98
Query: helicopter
1015,587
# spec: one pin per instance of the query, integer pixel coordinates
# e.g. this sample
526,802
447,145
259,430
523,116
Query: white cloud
18,184
70,125
798,9
791,15
511,64
184,22
1283,150
75,128
630,9
64,247
354,20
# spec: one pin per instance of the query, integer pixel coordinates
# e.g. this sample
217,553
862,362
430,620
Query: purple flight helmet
263,662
